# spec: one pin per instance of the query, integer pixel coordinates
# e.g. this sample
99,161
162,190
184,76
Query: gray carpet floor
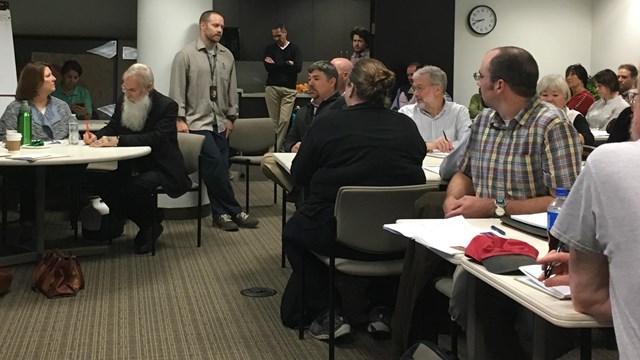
184,303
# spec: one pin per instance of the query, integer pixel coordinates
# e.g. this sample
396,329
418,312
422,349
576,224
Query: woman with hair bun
363,145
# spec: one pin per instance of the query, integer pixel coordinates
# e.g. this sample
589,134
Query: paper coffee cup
14,140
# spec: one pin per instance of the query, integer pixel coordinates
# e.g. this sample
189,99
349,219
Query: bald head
344,67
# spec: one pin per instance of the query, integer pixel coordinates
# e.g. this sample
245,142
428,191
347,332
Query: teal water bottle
24,122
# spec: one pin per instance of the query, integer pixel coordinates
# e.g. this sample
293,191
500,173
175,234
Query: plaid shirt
537,150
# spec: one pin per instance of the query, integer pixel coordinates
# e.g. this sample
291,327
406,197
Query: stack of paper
450,236
438,154
28,156
533,272
537,219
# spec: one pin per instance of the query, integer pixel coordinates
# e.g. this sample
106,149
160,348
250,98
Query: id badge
213,92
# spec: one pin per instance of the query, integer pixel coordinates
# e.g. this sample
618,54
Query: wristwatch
500,207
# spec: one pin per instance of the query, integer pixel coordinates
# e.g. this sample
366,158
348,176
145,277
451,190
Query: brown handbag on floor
5,281
58,274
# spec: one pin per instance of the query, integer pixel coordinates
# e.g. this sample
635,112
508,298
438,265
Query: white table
546,308
72,155
286,159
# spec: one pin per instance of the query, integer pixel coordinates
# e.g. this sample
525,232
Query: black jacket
160,134
364,145
304,118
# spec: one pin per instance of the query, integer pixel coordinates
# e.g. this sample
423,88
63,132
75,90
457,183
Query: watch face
482,19
500,211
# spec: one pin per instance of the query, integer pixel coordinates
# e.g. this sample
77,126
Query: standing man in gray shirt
203,83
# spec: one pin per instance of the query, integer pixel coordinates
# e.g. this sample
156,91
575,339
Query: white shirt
453,120
603,111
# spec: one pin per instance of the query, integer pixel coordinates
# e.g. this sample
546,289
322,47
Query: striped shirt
536,151
453,120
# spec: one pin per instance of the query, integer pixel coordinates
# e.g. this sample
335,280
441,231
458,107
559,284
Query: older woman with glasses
554,90
577,79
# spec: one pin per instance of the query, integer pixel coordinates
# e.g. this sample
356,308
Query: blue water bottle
552,214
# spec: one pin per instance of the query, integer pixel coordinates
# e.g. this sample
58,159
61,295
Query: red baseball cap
500,255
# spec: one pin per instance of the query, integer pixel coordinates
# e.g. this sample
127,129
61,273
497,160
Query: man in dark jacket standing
143,117
283,62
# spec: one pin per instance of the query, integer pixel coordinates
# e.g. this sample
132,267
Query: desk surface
557,312
286,159
77,154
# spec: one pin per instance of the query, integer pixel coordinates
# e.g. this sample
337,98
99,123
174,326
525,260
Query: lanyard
212,64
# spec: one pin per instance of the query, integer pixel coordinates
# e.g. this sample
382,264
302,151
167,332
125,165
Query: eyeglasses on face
477,76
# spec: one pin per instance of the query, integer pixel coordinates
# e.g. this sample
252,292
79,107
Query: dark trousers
129,196
301,236
215,173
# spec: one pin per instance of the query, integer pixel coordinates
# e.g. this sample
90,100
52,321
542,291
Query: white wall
557,34
158,43
616,34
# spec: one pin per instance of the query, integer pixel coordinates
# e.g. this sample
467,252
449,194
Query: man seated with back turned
143,117
598,223
441,123
323,79
520,150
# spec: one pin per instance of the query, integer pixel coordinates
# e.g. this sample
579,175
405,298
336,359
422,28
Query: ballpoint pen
548,270
86,124
498,230
445,135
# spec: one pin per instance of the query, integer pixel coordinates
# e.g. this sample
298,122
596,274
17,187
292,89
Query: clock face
482,19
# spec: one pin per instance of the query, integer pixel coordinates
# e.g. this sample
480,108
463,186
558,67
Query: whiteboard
8,80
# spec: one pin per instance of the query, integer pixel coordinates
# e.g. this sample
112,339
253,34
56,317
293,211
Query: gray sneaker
244,220
319,328
225,222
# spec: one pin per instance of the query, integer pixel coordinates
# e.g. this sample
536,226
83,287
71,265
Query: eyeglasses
477,76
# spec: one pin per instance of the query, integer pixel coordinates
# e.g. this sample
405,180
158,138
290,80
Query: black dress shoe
144,238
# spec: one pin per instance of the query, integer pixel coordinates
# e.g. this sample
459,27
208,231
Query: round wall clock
482,19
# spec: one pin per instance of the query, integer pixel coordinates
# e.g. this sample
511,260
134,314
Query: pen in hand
445,135
548,270
86,124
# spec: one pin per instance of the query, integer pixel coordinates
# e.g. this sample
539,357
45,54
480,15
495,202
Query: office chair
251,137
360,212
190,146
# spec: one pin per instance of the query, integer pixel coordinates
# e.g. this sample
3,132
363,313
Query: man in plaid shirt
520,149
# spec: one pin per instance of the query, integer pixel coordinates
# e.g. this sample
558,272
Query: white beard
134,114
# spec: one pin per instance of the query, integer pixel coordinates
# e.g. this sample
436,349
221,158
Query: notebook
532,272
526,226
449,236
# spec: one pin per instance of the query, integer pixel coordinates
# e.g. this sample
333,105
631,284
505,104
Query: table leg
475,326
585,344
39,195
539,340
